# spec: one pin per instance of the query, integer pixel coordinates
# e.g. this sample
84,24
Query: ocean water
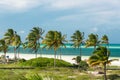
69,50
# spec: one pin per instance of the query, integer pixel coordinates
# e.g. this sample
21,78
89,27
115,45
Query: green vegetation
12,39
100,57
92,40
77,39
55,69
83,65
54,39
62,71
33,39
3,46
54,74
44,62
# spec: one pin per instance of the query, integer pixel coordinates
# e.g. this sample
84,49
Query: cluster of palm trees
100,55
55,40
93,40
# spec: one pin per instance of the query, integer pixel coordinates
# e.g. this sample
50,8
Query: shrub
45,62
22,60
83,65
78,59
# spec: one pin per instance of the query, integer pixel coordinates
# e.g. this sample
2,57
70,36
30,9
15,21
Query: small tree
78,59
83,65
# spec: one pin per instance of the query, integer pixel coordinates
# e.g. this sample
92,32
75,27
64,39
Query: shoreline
67,58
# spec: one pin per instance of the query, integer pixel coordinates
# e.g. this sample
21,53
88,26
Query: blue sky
89,16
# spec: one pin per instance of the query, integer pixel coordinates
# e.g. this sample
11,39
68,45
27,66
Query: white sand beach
63,57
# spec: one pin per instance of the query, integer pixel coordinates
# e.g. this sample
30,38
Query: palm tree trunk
40,49
40,52
60,54
80,52
15,53
18,52
108,45
36,50
35,54
5,54
94,48
105,77
55,59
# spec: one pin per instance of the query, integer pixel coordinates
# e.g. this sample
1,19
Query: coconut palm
77,39
62,40
54,39
33,39
92,40
105,40
9,36
12,39
17,42
100,57
3,46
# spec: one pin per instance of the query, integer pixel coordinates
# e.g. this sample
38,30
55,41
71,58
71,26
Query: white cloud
64,4
68,17
70,4
18,5
94,30
21,5
21,32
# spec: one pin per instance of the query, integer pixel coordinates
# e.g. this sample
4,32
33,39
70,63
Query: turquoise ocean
69,50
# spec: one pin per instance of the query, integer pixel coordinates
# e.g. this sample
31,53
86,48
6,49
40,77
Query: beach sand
63,57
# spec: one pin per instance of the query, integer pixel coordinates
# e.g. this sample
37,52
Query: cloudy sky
89,16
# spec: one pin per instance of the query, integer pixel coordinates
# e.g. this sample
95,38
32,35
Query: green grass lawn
45,72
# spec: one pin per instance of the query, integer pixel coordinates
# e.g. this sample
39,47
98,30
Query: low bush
44,62
83,65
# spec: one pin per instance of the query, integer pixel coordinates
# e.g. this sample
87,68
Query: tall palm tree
100,57
62,40
17,42
9,36
13,39
92,40
54,39
77,39
33,38
3,46
105,40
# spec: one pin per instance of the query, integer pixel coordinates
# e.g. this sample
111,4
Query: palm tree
12,39
54,39
33,39
17,42
92,40
62,40
77,39
105,40
9,36
3,46
100,57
